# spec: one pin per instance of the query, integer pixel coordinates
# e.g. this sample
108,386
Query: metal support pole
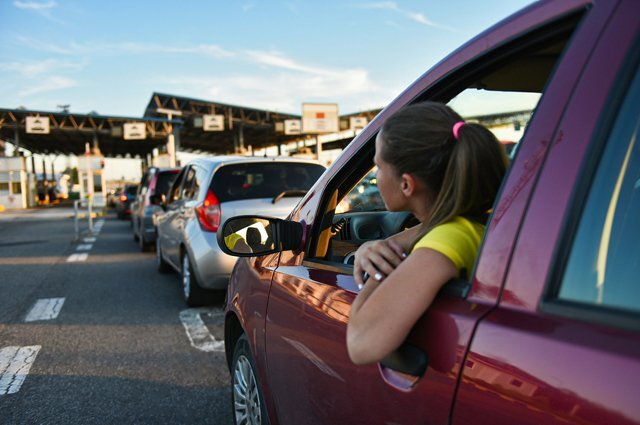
89,184
318,149
90,214
241,138
16,139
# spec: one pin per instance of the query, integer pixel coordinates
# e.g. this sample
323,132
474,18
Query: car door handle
407,359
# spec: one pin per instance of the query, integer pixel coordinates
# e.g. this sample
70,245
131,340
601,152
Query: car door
172,221
312,291
137,206
564,344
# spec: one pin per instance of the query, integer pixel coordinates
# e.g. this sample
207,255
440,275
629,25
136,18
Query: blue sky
110,56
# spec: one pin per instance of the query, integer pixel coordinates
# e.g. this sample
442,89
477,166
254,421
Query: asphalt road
117,352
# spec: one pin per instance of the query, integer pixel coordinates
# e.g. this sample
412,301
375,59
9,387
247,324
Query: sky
110,56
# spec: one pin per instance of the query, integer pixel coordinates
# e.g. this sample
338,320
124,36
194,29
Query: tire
163,266
143,245
247,401
194,295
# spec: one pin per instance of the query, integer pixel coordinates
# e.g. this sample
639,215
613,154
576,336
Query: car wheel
163,266
246,396
142,244
194,295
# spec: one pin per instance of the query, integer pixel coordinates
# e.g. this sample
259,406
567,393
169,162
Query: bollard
89,203
75,218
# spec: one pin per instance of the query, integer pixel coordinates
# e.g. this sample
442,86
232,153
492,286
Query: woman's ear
407,184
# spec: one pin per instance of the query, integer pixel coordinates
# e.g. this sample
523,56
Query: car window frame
443,90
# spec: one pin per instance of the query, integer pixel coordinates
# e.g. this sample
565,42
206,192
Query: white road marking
45,309
15,363
85,240
74,258
197,332
84,247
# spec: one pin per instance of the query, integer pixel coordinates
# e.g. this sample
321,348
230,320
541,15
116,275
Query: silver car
209,191
155,184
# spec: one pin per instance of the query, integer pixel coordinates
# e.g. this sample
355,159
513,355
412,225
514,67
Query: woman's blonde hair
463,173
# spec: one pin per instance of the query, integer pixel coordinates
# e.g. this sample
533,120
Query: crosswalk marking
84,247
45,309
15,363
74,258
89,240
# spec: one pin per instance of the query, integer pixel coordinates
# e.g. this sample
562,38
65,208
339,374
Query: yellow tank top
458,240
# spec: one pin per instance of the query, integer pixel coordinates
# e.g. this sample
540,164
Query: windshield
263,179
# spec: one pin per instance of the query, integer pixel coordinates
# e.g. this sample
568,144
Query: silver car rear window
235,182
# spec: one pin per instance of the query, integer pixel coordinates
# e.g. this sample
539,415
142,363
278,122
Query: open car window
500,90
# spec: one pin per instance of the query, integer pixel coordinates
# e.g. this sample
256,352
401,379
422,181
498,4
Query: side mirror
250,236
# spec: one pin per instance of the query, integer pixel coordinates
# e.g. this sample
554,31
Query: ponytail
462,163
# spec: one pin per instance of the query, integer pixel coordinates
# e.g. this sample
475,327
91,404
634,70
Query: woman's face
389,182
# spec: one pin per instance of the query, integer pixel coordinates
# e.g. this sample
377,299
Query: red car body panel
493,351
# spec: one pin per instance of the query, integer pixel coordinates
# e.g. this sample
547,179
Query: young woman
447,173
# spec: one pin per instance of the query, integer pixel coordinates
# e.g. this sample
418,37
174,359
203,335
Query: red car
546,330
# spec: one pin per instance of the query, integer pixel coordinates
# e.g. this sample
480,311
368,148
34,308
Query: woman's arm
383,313
379,258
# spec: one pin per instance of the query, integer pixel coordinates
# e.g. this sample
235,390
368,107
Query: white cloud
33,69
284,84
77,49
32,5
52,83
418,17
42,9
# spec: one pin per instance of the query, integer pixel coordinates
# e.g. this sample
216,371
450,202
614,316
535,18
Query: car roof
236,159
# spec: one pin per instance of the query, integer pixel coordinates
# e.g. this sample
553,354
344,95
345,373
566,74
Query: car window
188,185
146,180
603,266
500,92
177,185
263,179
363,197
164,182
201,175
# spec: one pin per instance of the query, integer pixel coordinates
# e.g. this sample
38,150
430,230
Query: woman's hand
377,259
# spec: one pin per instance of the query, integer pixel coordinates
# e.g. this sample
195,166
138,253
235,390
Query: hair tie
456,128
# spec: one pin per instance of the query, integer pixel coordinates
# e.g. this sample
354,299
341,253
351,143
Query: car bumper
211,266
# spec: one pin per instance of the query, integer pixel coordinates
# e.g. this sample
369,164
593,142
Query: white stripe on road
197,332
73,258
15,363
45,309
84,247
85,240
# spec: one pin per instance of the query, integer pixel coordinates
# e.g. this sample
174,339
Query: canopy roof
165,114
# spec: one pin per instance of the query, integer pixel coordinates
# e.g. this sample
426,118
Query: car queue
179,211
544,329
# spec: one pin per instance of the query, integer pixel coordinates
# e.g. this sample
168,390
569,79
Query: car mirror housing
251,236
